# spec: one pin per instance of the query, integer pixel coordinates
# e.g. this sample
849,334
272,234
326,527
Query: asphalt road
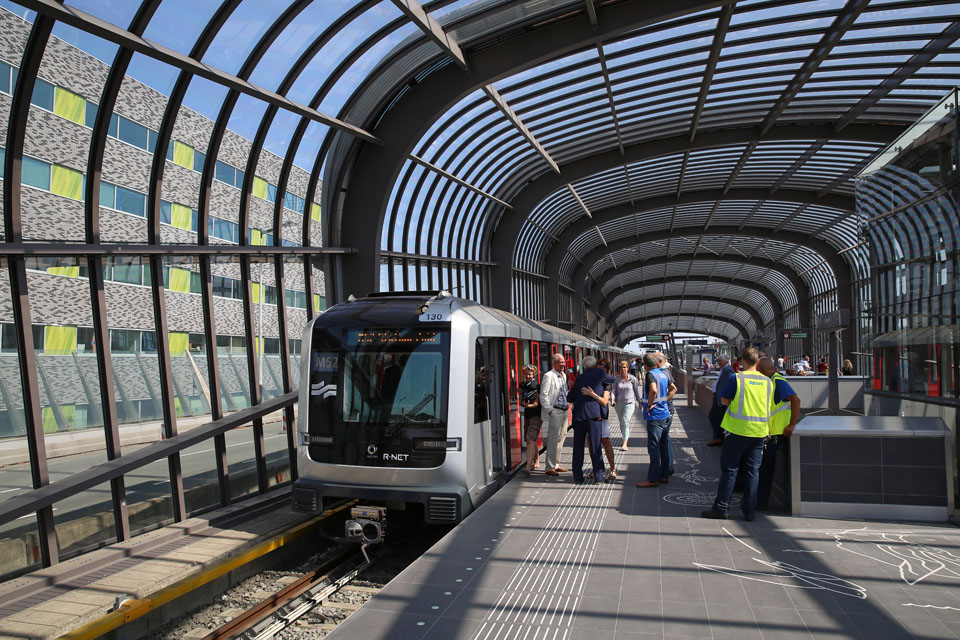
198,464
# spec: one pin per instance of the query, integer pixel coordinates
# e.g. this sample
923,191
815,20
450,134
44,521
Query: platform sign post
834,322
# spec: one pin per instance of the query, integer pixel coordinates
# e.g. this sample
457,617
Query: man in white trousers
553,412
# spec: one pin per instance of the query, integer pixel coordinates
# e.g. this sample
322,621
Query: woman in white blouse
626,398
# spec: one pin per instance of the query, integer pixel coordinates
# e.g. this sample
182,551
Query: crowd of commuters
590,396
754,409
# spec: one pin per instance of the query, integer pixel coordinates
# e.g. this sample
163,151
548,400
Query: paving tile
596,613
687,619
733,622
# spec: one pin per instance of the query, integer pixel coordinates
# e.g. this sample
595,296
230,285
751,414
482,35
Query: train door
513,427
489,416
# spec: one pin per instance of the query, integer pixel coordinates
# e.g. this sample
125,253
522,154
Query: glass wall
908,202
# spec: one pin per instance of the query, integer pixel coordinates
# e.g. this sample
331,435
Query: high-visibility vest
749,412
780,413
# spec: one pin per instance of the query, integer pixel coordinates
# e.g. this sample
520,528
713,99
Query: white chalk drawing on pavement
691,476
800,551
697,499
790,576
930,606
915,561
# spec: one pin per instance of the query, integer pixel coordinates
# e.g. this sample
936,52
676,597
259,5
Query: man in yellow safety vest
783,418
748,396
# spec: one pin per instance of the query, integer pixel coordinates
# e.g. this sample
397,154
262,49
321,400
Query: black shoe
750,517
713,515
670,473
763,507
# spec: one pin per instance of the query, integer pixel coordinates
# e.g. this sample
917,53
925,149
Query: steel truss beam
406,121
617,313
733,323
22,249
128,40
504,234
602,303
801,291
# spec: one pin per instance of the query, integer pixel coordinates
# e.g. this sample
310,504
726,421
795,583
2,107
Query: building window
35,173
43,95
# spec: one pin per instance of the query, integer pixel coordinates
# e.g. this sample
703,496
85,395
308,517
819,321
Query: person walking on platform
553,412
608,384
589,399
655,412
749,400
783,418
532,420
672,386
717,409
626,399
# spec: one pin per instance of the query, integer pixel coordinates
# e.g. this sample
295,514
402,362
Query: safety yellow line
132,609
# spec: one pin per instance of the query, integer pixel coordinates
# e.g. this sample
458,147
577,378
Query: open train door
493,356
513,425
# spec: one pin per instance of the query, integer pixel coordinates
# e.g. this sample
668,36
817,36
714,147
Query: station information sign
793,334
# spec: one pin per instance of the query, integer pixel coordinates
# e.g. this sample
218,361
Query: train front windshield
379,395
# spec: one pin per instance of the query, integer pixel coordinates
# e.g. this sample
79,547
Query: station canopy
614,167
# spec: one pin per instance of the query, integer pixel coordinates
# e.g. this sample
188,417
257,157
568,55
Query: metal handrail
45,496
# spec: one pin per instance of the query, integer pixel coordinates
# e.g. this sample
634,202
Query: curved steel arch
402,125
771,298
617,312
503,239
636,336
733,323
841,270
802,291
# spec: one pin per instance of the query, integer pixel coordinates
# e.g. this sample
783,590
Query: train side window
481,393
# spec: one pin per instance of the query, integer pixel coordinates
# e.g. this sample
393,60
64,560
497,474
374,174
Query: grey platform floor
547,559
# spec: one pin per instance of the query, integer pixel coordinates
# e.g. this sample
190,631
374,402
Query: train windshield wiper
394,427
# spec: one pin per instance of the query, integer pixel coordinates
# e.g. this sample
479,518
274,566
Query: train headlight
312,439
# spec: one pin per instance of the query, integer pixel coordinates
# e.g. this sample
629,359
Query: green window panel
181,216
260,187
66,182
50,421
315,212
179,341
319,302
182,154
68,271
256,292
179,280
35,173
59,341
69,105
256,237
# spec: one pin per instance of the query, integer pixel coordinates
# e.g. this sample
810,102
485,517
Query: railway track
281,610
308,600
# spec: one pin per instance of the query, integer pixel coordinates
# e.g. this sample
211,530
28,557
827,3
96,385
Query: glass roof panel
240,33
295,39
118,12
167,27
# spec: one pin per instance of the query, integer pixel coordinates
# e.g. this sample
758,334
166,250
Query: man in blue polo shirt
657,392
783,419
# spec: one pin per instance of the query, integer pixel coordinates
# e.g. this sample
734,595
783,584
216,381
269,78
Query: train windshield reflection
394,376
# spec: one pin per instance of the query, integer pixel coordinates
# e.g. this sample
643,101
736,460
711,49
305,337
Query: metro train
412,399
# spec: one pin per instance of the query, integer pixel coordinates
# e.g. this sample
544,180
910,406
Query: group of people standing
753,410
592,394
